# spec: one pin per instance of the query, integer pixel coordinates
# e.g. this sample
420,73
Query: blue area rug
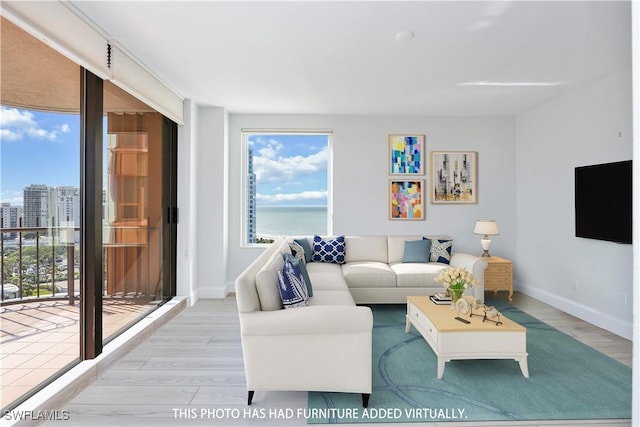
568,380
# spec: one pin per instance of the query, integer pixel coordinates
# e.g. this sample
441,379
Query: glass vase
455,294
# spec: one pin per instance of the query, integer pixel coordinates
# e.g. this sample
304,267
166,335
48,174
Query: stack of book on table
440,298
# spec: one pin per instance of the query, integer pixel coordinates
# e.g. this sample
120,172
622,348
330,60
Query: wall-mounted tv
603,201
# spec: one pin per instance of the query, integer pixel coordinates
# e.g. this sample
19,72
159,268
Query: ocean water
274,221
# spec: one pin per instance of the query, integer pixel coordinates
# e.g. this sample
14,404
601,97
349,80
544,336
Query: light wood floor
194,363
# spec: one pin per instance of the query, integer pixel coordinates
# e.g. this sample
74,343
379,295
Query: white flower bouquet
455,278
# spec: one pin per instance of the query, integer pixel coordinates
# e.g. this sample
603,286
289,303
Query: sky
37,148
291,170
43,148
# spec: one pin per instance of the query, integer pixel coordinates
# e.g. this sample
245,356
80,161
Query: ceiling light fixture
510,84
404,36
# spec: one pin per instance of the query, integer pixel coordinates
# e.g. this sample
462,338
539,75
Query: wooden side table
499,275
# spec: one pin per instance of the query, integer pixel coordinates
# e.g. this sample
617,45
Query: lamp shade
486,227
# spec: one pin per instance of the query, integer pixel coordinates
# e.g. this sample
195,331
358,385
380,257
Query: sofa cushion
366,248
326,277
300,265
324,268
291,285
368,274
417,250
441,250
332,298
331,250
417,275
395,245
267,283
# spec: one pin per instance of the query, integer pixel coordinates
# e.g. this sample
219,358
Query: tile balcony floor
38,338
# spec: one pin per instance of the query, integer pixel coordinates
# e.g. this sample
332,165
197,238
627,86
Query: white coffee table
451,339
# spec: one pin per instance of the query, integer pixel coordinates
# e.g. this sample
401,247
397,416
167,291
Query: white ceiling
337,57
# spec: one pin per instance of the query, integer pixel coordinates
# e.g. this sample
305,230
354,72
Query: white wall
204,256
360,177
525,178
588,278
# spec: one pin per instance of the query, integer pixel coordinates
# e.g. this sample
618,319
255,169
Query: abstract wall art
454,177
406,199
406,154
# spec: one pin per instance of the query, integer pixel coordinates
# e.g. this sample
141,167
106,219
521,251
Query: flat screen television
603,201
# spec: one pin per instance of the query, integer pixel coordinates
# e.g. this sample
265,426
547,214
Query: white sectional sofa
326,345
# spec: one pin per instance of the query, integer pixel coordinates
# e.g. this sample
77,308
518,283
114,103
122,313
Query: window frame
244,200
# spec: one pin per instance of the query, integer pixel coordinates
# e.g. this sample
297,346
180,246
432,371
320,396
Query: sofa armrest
317,348
307,321
474,265
470,262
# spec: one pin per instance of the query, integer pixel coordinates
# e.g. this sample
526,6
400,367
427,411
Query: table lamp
486,227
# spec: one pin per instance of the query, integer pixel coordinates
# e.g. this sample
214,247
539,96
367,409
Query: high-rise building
37,200
51,206
10,218
251,199
67,206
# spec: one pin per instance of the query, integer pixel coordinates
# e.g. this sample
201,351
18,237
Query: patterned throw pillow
298,251
293,290
300,265
304,243
332,251
441,250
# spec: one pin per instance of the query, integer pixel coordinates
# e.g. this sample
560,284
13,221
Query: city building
66,206
46,206
38,206
10,218
251,199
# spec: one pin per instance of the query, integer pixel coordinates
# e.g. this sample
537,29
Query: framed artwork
454,177
406,199
406,154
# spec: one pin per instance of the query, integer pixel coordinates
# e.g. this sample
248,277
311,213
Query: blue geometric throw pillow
332,251
293,290
441,250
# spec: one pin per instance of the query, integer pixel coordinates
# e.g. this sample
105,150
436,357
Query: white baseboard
213,292
581,311
193,298
230,288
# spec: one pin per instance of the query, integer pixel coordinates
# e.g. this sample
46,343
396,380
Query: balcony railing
43,263
38,262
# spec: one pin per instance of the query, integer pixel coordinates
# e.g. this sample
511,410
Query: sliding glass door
40,219
136,208
88,203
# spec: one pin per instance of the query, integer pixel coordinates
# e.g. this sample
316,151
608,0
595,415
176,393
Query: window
286,184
